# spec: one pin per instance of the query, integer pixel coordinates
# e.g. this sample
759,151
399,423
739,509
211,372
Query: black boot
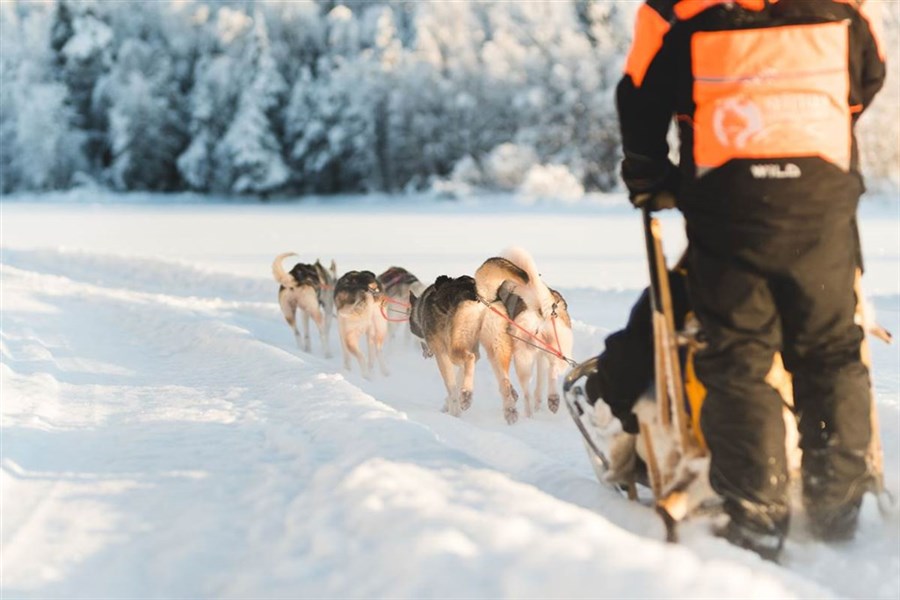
835,523
767,544
755,527
832,505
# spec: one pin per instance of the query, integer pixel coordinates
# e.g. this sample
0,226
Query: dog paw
553,402
465,399
511,414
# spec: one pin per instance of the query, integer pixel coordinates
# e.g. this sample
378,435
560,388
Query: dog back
353,287
494,272
395,280
305,274
432,314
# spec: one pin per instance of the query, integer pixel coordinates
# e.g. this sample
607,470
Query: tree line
318,96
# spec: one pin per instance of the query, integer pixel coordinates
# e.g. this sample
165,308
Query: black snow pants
794,293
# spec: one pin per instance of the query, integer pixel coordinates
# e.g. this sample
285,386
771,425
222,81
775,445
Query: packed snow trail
163,437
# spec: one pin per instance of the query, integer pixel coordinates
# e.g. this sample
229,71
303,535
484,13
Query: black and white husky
307,288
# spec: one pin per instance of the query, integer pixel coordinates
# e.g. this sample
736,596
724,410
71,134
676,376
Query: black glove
652,183
655,201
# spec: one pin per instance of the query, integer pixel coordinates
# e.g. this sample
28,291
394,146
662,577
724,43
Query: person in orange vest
765,95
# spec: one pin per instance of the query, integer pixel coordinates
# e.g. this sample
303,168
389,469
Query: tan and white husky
539,333
357,298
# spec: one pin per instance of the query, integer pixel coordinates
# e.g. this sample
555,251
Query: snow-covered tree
218,82
253,96
250,152
83,42
212,102
146,131
40,148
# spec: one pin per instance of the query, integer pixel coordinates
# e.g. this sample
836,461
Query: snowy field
163,437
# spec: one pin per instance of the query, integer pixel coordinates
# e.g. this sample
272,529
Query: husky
556,333
397,283
357,298
448,318
540,323
308,288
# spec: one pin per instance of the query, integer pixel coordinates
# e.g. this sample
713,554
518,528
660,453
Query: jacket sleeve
645,103
870,53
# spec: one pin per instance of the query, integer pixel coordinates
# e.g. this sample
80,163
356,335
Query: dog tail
281,276
541,297
493,272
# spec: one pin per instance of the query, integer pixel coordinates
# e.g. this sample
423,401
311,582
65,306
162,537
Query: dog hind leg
465,380
353,347
342,333
289,310
318,317
307,347
445,365
466,331
556,369
380,334
524,360
499,348
540,385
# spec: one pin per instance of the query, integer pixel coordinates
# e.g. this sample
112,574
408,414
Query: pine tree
41,149
218,81
83,43
250,151
145,126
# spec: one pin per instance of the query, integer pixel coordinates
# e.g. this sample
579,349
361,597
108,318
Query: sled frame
671,474
875,452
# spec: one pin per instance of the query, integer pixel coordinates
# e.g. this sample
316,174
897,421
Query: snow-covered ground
163,437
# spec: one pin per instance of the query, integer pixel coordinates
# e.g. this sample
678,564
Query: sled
677,462
669,440
676,457
875,454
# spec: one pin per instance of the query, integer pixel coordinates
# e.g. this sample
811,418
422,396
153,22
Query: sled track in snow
167,406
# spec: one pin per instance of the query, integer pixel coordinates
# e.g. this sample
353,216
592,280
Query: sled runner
875,455
669,440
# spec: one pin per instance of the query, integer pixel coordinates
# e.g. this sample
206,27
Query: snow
163,437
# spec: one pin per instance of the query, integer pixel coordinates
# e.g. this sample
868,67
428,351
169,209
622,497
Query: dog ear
333,269
412,298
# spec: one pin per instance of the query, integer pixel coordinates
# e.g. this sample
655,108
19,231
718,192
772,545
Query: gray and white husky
307,288
397,283
448,318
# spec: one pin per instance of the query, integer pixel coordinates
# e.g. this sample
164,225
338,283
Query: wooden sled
669,441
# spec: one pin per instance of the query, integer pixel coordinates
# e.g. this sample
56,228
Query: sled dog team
506,309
